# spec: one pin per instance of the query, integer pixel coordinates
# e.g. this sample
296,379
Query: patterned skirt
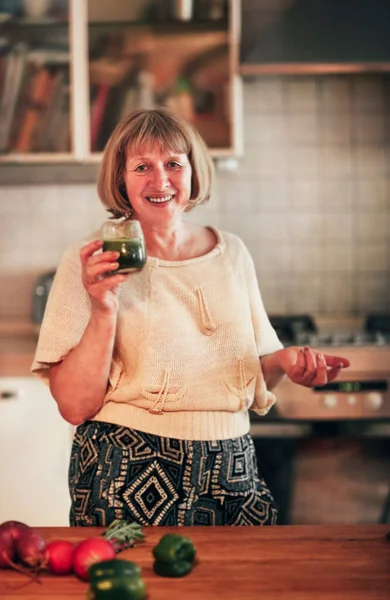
119,473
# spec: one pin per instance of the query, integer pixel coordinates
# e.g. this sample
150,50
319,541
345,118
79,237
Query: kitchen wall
310,197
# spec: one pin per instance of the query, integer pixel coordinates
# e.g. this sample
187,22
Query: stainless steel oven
325,452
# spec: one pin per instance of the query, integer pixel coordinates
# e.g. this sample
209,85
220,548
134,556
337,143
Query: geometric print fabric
118,473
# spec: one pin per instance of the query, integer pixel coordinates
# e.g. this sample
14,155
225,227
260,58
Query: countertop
244,563
18,340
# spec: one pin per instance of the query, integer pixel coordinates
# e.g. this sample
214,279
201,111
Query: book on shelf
54,132
4,49
31,80
130,101
37,99
98,108
15,64
55,116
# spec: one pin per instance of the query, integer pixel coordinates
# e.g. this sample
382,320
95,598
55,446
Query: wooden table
242,563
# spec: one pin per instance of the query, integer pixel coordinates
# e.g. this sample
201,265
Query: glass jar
127,238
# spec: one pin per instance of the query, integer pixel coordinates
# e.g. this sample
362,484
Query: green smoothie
132,253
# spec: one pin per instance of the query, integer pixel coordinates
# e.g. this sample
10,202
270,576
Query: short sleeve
267,340
66,316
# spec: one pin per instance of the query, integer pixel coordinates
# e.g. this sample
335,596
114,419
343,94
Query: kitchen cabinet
35,443
71,74
315,37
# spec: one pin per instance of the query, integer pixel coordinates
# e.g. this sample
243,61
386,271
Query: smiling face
158,184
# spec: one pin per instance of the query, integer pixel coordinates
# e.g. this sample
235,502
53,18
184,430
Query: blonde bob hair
142,129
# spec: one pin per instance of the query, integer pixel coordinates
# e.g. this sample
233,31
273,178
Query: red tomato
59,556
89,552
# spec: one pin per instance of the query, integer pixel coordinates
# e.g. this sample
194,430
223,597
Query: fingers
89,249
334,361
313,368
99,288
321,375
104,293
96,266
336,364
333,372
95,272
88,256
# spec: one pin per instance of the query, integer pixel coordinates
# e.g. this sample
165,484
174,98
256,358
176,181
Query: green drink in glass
125,237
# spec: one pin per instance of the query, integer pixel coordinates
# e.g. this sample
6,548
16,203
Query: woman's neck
167,243
185,241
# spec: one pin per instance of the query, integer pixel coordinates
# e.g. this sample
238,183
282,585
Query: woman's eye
173,164
141,168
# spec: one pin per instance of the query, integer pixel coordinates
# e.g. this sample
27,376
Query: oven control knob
330,400
374,401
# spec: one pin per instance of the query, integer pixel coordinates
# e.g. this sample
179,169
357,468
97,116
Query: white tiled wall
311,199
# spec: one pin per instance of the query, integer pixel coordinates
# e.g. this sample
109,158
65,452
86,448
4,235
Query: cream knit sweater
188,340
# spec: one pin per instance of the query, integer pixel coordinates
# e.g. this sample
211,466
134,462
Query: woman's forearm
272,369
79,382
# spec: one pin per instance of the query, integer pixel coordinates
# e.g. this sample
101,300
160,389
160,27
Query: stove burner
301,330
354,338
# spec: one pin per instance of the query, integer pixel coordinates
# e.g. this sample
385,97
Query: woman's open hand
102,289
309,367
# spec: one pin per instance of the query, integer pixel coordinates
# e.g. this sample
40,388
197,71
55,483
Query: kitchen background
310,196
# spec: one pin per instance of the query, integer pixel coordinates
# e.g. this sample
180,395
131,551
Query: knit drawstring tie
208,326
162,396
242,391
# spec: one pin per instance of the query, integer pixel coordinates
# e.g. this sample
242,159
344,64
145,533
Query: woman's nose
160,178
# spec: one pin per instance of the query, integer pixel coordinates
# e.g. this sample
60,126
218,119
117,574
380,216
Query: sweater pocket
244,386
161,396
264,399
114,377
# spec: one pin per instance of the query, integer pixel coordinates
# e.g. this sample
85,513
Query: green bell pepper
116,579
174,556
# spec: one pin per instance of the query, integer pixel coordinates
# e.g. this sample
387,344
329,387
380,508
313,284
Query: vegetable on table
24,549
116,580
174,556
89,552
31,549
10,532
118,536
19,542
59,557
123,534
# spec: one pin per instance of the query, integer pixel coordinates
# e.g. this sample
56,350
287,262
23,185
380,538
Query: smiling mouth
159,199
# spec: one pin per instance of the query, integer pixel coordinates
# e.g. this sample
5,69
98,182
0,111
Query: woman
157,369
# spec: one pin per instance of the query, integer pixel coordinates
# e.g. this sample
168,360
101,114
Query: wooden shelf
313,68
35,157
170,25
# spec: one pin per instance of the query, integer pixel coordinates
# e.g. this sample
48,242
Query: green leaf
124,531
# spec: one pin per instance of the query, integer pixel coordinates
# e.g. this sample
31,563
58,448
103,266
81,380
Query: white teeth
159,200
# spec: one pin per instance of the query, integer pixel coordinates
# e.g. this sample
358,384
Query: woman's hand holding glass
102,290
